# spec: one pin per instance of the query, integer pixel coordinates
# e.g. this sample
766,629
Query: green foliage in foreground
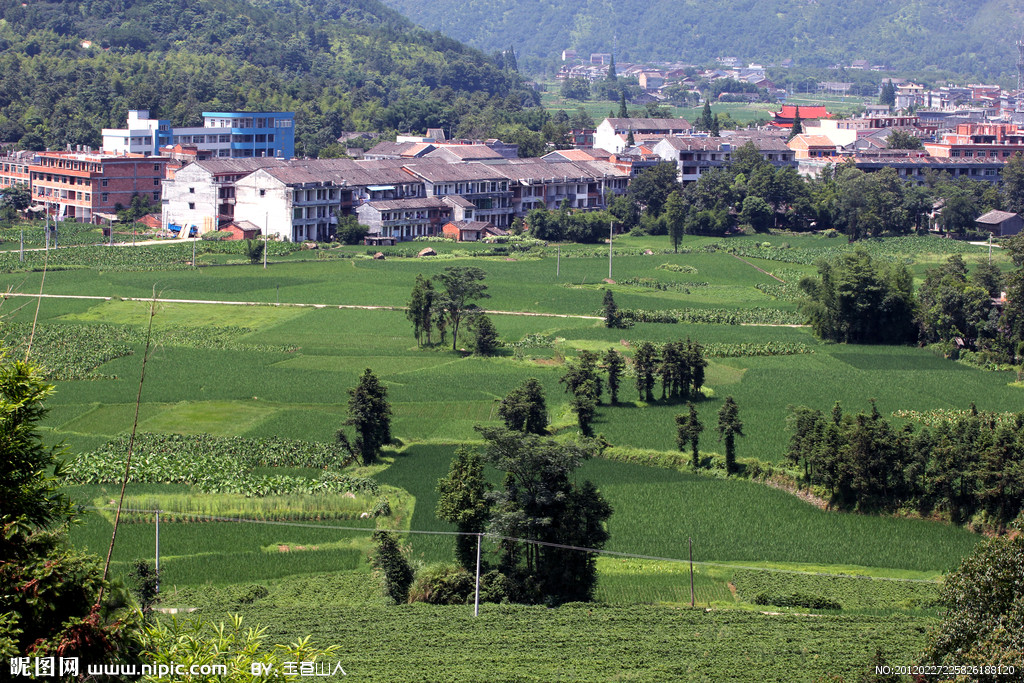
591,642
984,599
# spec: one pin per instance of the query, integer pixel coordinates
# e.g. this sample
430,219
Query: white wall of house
265,201
190,199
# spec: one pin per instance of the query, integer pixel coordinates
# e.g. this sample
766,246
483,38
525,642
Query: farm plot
657,511
590,642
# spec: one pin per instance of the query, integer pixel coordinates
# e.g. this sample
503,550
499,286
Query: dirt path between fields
88,297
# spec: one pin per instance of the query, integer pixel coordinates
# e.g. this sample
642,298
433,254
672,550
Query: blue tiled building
235,135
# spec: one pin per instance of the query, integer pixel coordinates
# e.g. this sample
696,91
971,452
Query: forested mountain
972,38
68,69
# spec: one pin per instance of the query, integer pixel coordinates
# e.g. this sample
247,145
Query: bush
796,600
443,584
389,560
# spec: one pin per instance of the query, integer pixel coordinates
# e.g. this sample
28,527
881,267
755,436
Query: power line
499,537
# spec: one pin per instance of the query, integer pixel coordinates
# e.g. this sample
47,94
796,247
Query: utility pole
157,551
692,600
610,224
476,597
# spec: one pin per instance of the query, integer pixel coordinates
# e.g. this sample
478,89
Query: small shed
1000,223
241,230
466,231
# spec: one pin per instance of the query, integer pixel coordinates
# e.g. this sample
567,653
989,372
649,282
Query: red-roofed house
785,118
810,146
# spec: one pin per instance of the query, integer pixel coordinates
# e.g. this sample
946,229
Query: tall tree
583,382
48,591
370,413
652,187
463,501
462,286
729,427
688,429
675,219
706,120
983,623
645,362
542,500
623,112
394,568
421,308
485,336
798,125
861,301
614,365
611,310
524,408
1013,183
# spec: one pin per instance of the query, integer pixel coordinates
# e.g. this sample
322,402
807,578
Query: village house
1000,223
91,186
469,231
693,156
202,194
613,133
981,140
806,146
487,189
293,202
405,219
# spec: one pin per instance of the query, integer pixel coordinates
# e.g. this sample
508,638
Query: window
102,182
156,167
191,206
192,190
263,193
104,198
156,182
156,195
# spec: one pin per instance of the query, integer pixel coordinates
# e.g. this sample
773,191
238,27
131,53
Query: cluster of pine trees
970,465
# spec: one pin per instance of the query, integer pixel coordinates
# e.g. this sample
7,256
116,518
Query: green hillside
68,69
968,38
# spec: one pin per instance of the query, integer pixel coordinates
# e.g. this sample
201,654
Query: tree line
968,467
750,194
861,300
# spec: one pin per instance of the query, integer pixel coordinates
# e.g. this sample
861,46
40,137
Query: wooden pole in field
476,598
610,224
692,601
558,260
157,551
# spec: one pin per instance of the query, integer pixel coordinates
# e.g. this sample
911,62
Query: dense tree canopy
861,301
541,500
340,65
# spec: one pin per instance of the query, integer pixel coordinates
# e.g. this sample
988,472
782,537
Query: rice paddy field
281,367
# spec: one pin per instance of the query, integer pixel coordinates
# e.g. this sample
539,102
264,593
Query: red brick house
241,230
80,185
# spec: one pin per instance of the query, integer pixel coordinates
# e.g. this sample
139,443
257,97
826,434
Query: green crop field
268,371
